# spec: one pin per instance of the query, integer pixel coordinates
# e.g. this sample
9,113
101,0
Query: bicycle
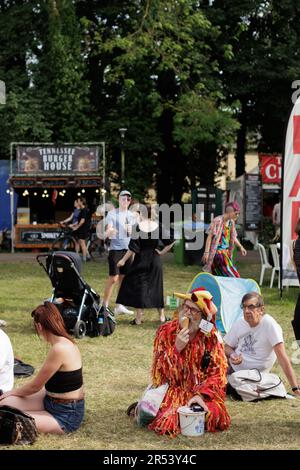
96,248
65,241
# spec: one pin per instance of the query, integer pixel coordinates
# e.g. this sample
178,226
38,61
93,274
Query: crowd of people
189,352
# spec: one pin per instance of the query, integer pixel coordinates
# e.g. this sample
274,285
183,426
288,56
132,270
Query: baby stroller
77,302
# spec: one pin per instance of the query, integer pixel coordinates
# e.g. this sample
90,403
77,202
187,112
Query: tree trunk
165,160
241,146
179,175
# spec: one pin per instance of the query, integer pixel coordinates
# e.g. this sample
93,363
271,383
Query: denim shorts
68,415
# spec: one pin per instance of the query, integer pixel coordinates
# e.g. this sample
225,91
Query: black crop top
65,381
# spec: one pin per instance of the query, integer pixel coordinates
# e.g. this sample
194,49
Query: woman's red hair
51,320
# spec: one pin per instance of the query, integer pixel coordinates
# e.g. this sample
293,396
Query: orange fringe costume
186,378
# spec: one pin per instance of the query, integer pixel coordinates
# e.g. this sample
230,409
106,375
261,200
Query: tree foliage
187,78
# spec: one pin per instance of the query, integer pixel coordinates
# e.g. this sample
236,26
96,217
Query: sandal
133,322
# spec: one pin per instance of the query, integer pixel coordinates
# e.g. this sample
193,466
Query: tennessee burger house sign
60,159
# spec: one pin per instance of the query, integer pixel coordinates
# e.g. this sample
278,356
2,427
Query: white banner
291,195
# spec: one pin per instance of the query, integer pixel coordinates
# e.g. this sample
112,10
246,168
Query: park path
29,257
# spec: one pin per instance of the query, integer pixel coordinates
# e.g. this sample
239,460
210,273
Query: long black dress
142,286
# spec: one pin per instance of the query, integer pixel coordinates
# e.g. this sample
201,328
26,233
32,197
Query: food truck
47,179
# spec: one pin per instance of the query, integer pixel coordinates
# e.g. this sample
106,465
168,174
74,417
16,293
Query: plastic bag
148,406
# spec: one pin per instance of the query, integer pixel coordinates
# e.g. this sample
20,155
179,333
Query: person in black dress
296,256
142,286
82,227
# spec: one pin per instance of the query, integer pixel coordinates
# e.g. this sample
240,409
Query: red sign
270,168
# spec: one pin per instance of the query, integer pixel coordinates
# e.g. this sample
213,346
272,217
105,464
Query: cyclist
82,227
71,222
73,218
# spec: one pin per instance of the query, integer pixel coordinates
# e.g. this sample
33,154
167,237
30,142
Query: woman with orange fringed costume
192,361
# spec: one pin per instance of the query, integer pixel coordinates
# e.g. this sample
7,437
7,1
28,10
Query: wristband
294,389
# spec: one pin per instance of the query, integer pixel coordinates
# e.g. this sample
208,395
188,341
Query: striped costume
186,376
221,248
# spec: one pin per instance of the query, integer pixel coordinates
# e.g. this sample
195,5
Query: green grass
116,369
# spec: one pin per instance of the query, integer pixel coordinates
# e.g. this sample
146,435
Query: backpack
16,426
106,322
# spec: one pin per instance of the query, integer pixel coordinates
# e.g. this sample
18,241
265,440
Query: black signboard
39,236
207,196
253,202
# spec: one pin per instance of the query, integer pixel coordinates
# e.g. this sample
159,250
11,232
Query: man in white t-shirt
255,341
118,227
6,363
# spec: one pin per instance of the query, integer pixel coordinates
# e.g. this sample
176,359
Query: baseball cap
125,193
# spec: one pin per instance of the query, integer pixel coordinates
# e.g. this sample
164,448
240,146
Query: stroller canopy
74,257
227,295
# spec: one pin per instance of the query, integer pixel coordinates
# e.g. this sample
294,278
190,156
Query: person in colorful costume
193,363
220,243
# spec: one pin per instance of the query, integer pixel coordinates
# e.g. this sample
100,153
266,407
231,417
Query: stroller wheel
79,329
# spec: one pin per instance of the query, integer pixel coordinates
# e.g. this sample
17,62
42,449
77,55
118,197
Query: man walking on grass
118,228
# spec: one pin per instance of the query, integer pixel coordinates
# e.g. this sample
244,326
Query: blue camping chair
227,294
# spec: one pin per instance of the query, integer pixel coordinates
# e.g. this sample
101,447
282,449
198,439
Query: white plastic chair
264,262
276,268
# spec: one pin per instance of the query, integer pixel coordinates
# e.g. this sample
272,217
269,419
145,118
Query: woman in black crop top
55,397
296,256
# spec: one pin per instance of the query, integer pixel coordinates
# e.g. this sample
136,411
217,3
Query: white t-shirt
255,344
6,363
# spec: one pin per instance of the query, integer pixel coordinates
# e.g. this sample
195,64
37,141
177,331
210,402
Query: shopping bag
148,406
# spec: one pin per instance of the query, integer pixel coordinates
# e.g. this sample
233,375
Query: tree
59,74
263,36
163,53
22,117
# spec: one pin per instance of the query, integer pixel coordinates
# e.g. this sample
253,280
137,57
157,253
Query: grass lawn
116,368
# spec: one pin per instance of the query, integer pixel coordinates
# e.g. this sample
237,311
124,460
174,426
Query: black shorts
113,257
80,235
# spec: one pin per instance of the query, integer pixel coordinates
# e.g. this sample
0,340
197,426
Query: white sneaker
120,309
3,323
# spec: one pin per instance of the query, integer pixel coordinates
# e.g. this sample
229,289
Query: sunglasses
194,311
250,307
126,197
